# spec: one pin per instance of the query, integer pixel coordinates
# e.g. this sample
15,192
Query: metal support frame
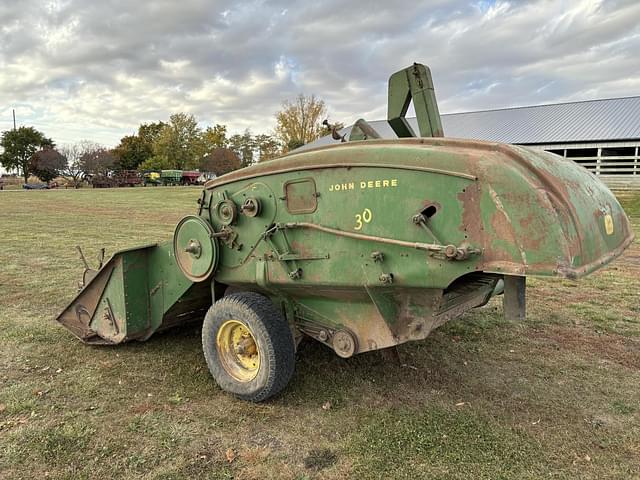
515,298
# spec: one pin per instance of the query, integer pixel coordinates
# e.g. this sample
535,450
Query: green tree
300,121
215,137
180,142
155,163
149,132
47,164
135,149
131,152
19,146
293,144
244,146
268,147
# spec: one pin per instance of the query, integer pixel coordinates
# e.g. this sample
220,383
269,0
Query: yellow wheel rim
238,350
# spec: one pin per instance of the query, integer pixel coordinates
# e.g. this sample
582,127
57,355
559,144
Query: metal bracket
229,236
421,220
288,257
202,203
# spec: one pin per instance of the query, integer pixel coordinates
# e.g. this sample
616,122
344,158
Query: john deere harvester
360,245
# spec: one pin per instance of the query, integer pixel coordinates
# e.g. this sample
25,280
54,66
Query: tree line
179,143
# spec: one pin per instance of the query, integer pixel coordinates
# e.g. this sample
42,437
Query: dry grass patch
554,397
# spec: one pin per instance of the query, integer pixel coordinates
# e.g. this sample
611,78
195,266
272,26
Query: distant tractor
102,181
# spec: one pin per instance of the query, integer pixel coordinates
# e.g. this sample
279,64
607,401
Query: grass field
555,397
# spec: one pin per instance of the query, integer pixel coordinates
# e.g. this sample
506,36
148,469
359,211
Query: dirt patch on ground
603,346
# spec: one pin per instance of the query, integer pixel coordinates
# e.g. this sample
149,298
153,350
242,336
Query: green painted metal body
381,240
139,291
336,240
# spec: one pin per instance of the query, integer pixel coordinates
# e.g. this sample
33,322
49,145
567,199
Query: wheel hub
238,350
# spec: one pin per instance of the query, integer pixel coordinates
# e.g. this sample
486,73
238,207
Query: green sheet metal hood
532,212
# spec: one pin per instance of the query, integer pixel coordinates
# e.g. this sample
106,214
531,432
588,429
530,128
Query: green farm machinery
177,177
151,177
361,245
171,177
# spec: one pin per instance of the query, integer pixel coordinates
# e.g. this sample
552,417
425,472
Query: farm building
601,135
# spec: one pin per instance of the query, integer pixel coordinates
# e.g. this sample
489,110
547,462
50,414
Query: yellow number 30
365,217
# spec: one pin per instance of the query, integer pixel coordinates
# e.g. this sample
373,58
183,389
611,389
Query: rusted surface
497,209
520,218
304,161
78,314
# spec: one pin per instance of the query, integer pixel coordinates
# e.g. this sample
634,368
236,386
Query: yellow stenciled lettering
358,222
362,218
364,184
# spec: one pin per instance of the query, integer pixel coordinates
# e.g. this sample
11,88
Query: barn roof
587,121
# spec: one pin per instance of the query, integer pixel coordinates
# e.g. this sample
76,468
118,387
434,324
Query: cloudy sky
83,69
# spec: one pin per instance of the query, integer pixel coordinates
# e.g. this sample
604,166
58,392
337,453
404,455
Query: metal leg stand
515,298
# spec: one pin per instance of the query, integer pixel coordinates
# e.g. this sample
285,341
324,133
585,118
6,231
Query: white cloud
80,69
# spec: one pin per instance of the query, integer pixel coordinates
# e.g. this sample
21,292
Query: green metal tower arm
413,83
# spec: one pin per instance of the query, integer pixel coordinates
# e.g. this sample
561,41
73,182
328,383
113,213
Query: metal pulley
344,343
251,207
227,211
196,248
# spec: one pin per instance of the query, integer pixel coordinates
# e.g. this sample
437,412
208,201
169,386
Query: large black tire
273,339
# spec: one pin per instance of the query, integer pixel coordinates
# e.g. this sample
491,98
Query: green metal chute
414,83
139,291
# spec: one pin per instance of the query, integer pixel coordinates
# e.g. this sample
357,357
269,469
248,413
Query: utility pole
14,118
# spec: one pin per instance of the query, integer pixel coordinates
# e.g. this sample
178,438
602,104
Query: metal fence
616,163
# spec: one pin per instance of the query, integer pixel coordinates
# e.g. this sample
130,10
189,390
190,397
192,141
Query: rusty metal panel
301,195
